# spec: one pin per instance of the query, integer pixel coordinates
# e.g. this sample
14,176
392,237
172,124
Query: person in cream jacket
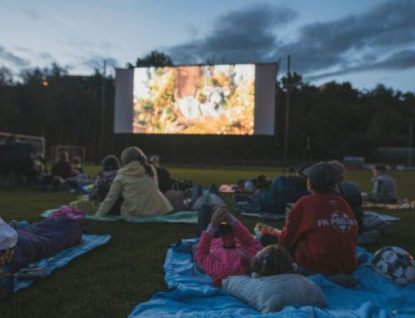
137,183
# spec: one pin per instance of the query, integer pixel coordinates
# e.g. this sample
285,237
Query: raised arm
210,263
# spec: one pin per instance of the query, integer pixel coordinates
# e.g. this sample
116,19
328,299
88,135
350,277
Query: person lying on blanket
283,190
321,229
137,183
44,239
247,257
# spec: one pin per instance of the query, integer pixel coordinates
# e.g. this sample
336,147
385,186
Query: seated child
90,203
384,186
321,229
77,164
137,183
247,257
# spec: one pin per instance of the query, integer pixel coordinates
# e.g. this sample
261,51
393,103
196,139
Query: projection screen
204,99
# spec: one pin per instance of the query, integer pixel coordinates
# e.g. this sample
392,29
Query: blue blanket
88,242
193,296
177,217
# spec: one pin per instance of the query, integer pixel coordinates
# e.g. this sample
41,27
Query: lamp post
410,145
288,88
103,135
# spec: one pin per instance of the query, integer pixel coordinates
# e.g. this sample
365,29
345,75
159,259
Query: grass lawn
111,280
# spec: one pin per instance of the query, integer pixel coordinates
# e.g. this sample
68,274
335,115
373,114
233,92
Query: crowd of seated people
310,238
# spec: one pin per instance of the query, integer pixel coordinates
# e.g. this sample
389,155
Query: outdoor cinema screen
205,99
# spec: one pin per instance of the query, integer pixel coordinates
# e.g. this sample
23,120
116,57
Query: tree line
329,121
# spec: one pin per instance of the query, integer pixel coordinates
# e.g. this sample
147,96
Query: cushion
273,293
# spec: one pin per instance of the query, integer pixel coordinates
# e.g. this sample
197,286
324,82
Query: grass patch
111,280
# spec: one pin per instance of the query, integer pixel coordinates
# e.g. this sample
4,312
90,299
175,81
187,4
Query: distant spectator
384,186
40,163
77,164
163,175
63,168
103,182
262,182
283,190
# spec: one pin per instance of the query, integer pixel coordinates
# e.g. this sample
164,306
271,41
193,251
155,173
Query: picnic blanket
177,217
194,296
249,207
88,243
400,205
229,188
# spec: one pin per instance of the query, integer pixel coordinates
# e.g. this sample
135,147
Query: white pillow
8,236
273,293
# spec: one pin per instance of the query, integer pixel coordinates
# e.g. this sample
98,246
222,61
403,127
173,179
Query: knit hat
322,176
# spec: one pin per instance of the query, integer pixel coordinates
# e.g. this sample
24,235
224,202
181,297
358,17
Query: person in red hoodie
321,229
244,258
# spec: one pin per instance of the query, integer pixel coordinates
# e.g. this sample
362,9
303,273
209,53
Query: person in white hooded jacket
137,183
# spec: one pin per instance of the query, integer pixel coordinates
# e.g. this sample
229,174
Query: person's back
321,228
164,179
77,164
282,190
163,175
384,186
142,197
324,231
62,167
384,189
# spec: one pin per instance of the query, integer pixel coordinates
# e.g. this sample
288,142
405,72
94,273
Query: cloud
9,57
23,49
46,57
401,60
383,28
239,36
31,14
381,38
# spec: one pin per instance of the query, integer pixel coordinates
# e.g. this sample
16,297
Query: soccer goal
38,143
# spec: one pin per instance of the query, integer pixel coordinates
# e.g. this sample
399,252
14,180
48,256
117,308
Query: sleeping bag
44,239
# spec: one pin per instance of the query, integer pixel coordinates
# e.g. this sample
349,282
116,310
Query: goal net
38,143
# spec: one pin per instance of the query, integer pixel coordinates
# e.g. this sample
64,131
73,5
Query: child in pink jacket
247,257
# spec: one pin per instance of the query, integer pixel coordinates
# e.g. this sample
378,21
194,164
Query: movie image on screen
208,99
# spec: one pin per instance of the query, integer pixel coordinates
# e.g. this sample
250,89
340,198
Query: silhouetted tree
155,58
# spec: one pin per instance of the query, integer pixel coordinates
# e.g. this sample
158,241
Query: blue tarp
193,296
177,217
62,258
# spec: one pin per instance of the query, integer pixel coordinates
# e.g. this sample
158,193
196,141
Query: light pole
287,109
103,135
410,145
